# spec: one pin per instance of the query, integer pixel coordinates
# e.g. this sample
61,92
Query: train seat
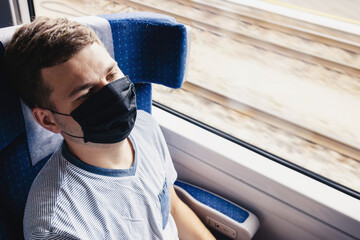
148,47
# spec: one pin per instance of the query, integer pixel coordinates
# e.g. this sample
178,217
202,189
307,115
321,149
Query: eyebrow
111,67
89,85
79,89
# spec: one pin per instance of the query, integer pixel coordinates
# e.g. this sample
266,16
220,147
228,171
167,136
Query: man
113,176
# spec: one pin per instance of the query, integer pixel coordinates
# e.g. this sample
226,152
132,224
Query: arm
188,224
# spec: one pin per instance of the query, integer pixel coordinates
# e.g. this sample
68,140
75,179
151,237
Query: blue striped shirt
71,199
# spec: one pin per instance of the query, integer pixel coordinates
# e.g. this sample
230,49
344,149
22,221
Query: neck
112,156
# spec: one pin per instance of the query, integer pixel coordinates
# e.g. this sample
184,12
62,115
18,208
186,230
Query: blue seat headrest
150,47
11,118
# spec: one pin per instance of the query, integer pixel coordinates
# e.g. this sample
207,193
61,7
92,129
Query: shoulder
146,124
51,174
148,135
43,195
144,118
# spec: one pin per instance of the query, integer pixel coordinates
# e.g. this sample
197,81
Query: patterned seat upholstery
150,48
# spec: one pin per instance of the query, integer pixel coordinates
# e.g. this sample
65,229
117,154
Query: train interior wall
288,204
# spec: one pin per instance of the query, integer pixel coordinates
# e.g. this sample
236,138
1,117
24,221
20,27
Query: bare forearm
188,224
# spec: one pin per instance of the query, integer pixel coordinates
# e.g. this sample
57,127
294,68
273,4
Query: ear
46,119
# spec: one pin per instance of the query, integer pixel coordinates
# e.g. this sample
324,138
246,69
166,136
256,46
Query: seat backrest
150,48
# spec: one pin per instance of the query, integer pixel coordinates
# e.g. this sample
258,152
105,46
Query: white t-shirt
70,199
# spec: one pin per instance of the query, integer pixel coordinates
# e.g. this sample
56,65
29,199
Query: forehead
85,66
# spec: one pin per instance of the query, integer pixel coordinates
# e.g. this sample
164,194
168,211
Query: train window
282,76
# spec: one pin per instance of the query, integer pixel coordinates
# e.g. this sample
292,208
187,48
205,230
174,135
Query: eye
85,96
111,76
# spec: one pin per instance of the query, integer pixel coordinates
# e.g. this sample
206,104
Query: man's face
78,78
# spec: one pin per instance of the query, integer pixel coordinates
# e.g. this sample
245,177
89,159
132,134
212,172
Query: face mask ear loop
63,114
72,135
67,115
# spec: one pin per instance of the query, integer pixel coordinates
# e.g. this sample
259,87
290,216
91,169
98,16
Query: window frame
268,189
262,152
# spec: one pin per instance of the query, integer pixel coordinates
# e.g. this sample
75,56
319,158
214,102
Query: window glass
281,75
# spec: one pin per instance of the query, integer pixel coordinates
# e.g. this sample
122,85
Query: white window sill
286,202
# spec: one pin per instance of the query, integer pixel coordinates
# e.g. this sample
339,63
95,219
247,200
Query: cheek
69,125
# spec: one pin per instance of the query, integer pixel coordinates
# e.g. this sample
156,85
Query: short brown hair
42,43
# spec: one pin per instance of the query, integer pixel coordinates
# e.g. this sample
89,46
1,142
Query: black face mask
107,116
